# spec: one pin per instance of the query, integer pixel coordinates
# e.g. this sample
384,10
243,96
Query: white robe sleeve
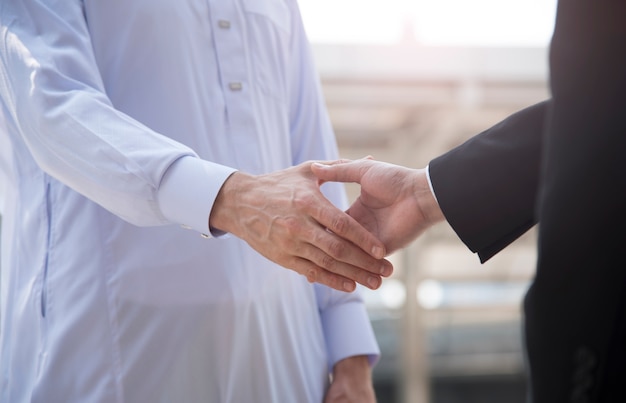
52,91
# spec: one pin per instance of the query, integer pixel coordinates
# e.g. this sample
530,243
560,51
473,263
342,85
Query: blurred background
404,81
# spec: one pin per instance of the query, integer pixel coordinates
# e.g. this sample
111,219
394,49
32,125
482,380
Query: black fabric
487,186
561,163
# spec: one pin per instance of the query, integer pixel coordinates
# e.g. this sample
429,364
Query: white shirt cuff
349,333
430,184
188,190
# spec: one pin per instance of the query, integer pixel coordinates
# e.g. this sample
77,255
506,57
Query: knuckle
285,245
336,249
303,201
295,248
311,275
340,224
327,262
292,225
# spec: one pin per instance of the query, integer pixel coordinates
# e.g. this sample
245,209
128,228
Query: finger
367,271
345,172
320,182
316,274
327,270
334,162
346,227
346,252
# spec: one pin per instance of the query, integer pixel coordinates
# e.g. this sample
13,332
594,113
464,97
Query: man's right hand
396,203
285,217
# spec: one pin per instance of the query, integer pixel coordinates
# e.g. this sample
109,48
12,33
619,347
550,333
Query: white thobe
123,119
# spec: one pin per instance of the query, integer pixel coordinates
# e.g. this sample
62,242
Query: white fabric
430,182
123,119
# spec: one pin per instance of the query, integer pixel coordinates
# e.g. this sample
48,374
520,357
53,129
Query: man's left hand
352,382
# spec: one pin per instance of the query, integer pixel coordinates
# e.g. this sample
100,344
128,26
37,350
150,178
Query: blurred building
450,328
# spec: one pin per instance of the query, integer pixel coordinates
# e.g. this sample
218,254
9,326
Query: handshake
285,217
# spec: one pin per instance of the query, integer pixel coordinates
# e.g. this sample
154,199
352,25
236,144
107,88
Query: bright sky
434,22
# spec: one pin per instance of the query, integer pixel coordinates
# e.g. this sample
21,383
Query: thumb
350,171
323,164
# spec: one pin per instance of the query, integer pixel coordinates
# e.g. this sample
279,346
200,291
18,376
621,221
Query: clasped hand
285,217
396,203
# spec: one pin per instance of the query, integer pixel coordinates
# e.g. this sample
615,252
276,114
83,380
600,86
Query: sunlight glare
430,22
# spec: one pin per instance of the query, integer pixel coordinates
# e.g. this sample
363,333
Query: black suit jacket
487,186
561,163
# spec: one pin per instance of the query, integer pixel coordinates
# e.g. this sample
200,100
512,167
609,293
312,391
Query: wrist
356,365
223,214
352,381
426,200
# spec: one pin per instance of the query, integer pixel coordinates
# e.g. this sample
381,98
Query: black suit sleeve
487,186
